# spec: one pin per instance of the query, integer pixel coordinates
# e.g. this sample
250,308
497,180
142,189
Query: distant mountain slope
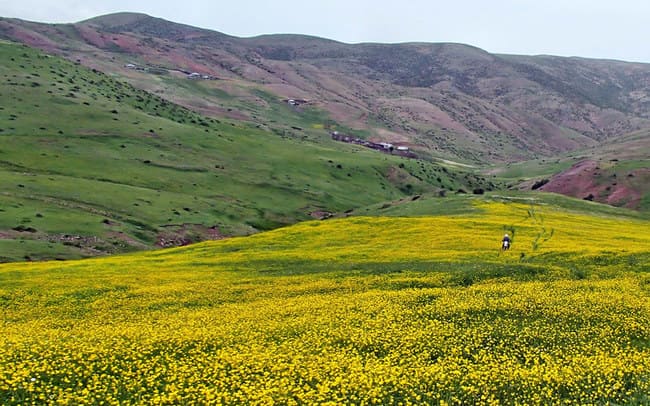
447,100
91,165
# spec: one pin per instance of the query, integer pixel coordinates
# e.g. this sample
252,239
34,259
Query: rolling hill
384,310
92,165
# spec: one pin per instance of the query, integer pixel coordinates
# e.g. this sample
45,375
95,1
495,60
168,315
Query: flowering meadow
361,310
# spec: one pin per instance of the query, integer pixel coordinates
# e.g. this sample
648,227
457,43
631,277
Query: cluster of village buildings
379,146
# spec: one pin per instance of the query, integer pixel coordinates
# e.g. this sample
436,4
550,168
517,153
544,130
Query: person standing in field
505,243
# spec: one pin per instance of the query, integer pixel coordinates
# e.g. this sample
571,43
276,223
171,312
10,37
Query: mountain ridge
493,107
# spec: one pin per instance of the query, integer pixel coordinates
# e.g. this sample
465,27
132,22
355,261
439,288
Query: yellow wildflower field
422,310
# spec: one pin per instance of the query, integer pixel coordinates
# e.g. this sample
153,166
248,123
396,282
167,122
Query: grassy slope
419,310
456,203
92,165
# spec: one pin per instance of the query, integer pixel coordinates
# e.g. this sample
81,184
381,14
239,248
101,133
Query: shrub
539,184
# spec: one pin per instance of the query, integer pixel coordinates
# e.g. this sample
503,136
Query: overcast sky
588,28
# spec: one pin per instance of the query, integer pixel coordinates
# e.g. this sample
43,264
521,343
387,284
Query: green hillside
90,165
360,310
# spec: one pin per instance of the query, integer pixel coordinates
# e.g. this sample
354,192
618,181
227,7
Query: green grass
25,249
537,168
461,204
98,157
631,165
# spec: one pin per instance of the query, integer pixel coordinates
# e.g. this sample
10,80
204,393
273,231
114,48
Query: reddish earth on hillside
587,180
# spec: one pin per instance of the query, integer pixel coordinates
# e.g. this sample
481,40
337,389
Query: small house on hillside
296,102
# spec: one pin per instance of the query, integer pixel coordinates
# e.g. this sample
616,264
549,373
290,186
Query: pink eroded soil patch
91,36
574,181
29,37
582,181
624,196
